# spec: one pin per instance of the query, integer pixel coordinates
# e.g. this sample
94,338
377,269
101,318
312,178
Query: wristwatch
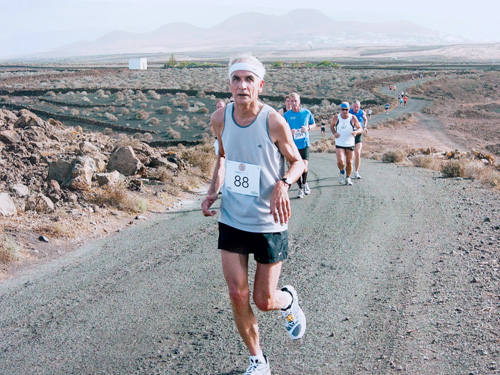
286,181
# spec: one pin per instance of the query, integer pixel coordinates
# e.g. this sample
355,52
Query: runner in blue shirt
363,121
301,120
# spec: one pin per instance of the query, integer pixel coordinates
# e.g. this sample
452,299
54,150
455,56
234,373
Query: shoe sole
295,297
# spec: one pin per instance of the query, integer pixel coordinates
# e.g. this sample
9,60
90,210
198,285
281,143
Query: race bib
242,178
299,135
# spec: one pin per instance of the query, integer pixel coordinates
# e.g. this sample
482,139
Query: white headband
258,71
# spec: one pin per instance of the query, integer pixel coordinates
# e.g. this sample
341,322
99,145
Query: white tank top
345,129
246,194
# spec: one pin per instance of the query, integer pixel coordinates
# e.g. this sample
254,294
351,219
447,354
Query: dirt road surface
385,272
397,274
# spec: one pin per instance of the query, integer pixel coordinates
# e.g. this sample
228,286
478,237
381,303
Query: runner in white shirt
345,127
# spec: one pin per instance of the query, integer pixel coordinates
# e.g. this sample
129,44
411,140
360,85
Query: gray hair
247,58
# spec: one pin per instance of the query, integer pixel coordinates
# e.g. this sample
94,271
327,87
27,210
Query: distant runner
358,141
345,127
301,120
387,108
220,104
287,106
405,100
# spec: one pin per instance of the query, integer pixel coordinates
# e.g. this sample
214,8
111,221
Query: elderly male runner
301,120
363,121
254,140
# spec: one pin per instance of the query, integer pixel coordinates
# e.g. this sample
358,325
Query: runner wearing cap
345,127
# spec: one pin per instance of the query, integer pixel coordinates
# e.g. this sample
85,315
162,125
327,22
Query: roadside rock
124,161
20,190
28,119
7,206
39,203
108,178
82,171
9,136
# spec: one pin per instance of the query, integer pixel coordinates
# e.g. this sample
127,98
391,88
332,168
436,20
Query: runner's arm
333,126
217,122
357,125
280,134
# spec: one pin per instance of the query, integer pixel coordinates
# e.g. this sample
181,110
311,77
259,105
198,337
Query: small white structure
140,63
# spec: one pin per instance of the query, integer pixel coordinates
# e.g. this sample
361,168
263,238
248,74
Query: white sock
259,357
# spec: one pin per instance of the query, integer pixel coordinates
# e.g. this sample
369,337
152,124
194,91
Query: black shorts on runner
267,247
358,139
304,153
345,148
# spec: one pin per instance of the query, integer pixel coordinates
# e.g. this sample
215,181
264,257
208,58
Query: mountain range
298,30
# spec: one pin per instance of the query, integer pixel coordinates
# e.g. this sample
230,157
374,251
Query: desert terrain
407,283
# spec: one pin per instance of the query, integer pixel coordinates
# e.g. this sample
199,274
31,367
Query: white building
140,63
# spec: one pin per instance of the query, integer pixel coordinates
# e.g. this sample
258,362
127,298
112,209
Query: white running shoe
357,176
295,319
258,368
307,190
300,194
348,181
341,178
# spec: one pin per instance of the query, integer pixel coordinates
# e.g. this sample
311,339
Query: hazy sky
29,26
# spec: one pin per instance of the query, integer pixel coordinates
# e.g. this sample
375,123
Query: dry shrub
127,140
62,225
425,161
323,145
119,197
153,121
10,251
141,115
165,174
393,157
110,116
166,110
453,168
477,170
173,133
201,156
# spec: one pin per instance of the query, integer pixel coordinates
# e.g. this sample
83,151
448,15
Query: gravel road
397,274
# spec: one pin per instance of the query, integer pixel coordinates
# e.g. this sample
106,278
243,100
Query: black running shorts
358,139
267,247
304,153
350,148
